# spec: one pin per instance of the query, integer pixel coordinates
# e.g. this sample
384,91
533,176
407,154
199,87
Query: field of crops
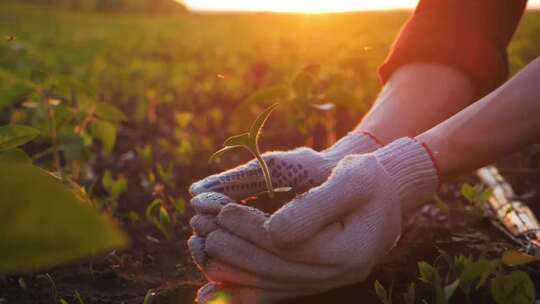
130,107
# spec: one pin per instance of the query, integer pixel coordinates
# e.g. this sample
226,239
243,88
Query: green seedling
464,276
158,215
78,297
250,141
149,297
50,280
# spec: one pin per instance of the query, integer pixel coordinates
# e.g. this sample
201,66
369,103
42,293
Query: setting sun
305,6
298,6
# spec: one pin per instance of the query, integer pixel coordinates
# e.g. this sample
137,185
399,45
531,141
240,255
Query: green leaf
161,220
381,292
13,136
166,175
428,273
222,151
410,296
147,155
150,209
513,288
515,258
255,130
149,297
107,180
164,217
13,94
14,155
183,119
441,205
450,289
472,271
109,112
469,192
180,205
119,187
238,140
44,224
486,195
78,297
38,76
106,133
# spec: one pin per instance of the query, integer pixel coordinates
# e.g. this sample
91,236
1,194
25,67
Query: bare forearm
417,97
503,121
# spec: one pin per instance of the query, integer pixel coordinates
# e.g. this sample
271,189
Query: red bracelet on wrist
375,139
432,156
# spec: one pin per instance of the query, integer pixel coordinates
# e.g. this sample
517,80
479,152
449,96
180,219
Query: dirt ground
165,267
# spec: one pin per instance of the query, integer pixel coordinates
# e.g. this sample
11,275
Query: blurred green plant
44,222
158,215
465,275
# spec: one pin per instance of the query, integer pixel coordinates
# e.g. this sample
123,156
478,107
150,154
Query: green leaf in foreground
14,155
515,258
13,136
106,133
43,223
513,288
109,112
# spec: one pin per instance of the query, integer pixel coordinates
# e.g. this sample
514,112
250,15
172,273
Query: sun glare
298,6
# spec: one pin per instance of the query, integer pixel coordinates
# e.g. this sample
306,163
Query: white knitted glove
300,169
331,236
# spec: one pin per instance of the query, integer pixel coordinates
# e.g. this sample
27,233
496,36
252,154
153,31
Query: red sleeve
471,35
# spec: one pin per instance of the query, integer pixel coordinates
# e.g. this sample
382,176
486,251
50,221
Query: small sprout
115,187
54,290
409,297
78,297
149,297
384,296
158,215
250,141
166,174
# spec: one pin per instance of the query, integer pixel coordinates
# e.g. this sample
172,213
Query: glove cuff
411,166
356,142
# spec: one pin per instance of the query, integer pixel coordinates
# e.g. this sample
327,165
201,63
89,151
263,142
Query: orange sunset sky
306,6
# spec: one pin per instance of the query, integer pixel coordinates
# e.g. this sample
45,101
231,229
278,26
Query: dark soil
152,263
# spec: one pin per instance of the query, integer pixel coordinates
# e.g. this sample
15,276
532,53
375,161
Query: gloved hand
300,169
328,237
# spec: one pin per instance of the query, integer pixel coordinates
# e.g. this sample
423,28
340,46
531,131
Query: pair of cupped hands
330,236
